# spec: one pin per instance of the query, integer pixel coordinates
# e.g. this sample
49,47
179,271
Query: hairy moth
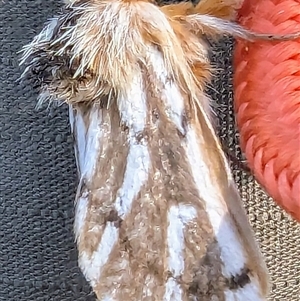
158,216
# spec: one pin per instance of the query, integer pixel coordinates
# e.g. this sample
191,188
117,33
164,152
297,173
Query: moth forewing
157,214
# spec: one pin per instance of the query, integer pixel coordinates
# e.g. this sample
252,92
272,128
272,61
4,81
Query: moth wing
155,252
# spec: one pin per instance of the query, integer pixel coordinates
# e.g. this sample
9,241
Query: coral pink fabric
267,99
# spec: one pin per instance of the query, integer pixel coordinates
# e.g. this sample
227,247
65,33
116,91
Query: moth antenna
215,18
216,27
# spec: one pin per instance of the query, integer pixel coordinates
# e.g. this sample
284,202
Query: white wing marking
133,111
178,217
81,211
171,94
232,251
92,144
92,266
132,106
136,174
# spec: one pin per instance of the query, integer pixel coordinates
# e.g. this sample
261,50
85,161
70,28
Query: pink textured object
267,99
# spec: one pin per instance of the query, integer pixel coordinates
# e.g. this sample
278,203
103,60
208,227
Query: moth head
94,48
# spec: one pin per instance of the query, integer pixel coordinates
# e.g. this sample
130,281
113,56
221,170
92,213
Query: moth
157,213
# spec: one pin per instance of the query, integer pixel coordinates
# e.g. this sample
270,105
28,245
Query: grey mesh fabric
38,258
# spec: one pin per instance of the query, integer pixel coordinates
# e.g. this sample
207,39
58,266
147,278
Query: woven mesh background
37,180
